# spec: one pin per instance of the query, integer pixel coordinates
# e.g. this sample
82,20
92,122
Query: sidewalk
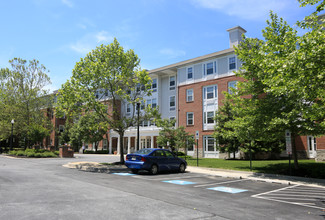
272,178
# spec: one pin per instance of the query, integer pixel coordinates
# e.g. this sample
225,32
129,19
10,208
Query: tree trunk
121,148
294,150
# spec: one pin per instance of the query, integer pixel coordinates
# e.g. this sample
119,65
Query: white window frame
154,89
128,108
205,119
187,118
232,57
214,68
187,69
230,83
215,92
172,87
187,95
172,108
154,103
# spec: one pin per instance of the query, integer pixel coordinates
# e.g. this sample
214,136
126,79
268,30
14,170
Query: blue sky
60,32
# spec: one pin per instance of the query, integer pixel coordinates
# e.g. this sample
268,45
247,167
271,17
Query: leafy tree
226,137
22,98
90,128
37,132
170,136
284,81
102,81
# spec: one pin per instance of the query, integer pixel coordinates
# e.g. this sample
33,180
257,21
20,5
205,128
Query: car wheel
135,171
182,168
154,169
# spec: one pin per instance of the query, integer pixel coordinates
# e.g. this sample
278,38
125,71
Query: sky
161,32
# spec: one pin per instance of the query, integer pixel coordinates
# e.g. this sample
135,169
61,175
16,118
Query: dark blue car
154,160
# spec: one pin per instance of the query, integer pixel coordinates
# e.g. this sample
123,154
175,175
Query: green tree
284,79
170,136
102,81
224,134
22,98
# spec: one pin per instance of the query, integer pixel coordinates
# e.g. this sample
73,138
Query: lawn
307,168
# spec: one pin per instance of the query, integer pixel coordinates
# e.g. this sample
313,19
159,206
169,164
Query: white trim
174,102
236,63
171,88
187,113
191,89
186,72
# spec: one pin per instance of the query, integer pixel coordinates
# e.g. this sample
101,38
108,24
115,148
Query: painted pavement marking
124,174
301,196
220,183
179,182
227,189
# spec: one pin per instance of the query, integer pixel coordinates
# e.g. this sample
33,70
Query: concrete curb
94,167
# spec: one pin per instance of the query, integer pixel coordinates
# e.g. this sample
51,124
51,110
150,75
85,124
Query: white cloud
67,3
90,41
172,53
248,9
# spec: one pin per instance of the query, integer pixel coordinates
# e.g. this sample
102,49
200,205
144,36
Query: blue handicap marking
227,189
124,174
179,182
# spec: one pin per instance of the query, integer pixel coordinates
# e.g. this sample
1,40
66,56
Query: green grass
307,168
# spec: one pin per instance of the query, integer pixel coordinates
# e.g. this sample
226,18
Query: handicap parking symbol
179,182
227,189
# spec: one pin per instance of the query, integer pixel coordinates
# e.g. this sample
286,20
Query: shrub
48,154
30,154
13,152
38,155
20,153
56,152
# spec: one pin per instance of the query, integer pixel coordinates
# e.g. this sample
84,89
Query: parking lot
44,189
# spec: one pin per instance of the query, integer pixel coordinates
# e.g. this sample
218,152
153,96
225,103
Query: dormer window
190,73
172,82
232,63
210,68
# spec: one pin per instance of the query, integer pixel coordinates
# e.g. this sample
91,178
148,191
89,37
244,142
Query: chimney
235,34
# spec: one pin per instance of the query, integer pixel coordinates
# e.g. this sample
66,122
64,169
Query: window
232,85
171,119
169,154
172,83
154,85
209,117
142,105
210,92
189,118
232,63
128,108
154,103
148,102
209,68
189,95
61,128
209,144
172,103
190,73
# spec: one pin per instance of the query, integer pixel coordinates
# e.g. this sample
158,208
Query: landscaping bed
40,153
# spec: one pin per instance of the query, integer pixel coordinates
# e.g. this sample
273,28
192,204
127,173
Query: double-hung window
231,86
172,83
154,103
190,73
189,118
172,104
232,63
210,92
154,85
148,102
189,95
209,68
128,108
209,117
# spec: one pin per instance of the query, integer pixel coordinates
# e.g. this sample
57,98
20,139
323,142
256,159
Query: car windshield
144,151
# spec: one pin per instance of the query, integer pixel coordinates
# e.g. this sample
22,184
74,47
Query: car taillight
143,159
126,158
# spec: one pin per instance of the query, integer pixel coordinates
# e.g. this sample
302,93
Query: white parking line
167,178
220,183
278,196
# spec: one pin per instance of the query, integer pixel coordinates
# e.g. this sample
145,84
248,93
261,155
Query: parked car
154,160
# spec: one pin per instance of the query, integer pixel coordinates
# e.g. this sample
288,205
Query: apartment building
191,92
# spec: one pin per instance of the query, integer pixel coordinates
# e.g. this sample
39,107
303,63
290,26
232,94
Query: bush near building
40,153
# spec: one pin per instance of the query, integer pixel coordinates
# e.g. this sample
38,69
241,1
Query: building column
152,142
129,145
110,145
118,145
